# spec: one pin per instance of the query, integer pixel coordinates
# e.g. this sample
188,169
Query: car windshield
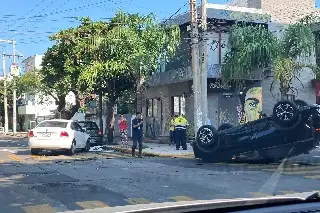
88,125
59,124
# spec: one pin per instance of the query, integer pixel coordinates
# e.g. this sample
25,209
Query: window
155,107
152,107
149,108
77,126
60,124
178,105
183,105
88,125
73,126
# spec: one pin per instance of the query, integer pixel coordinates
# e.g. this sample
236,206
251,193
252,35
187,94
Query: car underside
290,131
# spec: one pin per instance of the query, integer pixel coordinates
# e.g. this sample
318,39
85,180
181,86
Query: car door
84,135
78,135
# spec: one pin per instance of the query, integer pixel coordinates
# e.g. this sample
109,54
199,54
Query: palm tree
255,46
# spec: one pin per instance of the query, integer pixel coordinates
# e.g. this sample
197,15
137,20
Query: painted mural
251,103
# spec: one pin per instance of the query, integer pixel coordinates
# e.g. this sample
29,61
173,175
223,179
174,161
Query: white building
33,62
34,107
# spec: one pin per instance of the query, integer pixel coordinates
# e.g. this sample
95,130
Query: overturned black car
290,131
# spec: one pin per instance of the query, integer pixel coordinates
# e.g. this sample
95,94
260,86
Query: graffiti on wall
240,112
251,101
224,116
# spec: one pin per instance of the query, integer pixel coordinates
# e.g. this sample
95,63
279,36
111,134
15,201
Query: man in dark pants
137,134
180,132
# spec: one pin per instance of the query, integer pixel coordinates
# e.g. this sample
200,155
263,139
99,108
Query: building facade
33,108
170,89
284,11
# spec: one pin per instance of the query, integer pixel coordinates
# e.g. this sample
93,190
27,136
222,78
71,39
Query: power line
176,12
39,12
32,9
71,9
32,33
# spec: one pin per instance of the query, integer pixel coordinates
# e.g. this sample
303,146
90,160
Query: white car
58,134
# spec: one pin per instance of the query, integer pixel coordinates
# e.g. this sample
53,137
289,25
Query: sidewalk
10,136
156,150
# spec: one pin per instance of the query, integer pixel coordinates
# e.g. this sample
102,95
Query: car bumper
96,139
52,144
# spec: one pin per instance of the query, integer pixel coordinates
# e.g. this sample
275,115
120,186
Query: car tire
35,151
207,138
225,126
285,112
87,147
300,103
72,149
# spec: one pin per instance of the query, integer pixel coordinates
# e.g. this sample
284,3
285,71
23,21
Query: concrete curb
11,136
150,154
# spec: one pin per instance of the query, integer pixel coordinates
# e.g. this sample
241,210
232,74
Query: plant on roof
254,47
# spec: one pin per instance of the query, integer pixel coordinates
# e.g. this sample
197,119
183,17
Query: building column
166,115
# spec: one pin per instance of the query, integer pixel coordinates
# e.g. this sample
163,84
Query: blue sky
32,33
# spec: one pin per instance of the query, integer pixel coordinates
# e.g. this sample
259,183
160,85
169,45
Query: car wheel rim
285,112
205,136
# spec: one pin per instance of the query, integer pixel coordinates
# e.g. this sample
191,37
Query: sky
18,18
18,21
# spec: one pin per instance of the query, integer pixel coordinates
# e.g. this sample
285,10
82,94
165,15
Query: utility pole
100,110
5,77
14,110
204,63
195,66
5,98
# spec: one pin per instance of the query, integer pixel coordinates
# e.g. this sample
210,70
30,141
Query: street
36,184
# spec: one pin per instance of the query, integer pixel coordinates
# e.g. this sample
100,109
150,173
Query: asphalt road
94,180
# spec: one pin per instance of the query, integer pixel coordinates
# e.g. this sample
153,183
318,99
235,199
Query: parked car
90,127
291,130
56,135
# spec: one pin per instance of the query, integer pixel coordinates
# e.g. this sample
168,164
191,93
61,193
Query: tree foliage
128,51
29,82
255,46
102,57
132,40
251,47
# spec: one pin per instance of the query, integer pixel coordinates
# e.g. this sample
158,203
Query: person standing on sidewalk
123,126
137,134
180,131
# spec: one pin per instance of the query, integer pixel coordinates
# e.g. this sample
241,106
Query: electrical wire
77,8
71,9
39,12
51,13
32,9
175,12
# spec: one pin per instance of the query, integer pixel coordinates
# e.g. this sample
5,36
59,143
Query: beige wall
285,11
164,93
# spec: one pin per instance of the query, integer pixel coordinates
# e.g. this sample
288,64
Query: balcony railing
180,75
185,74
